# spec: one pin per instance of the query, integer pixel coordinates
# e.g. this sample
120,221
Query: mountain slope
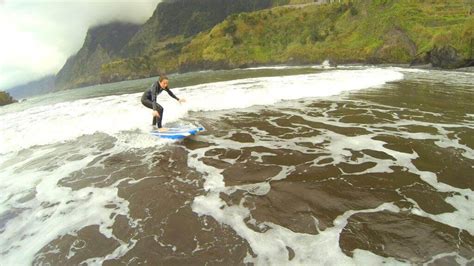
102,44
374,32
156,47
385,31
186,18
172,25
33,88
186,35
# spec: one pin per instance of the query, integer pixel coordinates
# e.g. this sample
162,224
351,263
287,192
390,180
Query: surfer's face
164,83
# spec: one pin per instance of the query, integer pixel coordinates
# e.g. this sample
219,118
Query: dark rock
420,59
446,57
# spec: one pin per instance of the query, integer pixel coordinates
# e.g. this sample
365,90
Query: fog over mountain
39,36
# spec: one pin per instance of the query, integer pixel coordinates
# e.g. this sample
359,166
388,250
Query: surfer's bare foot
163,129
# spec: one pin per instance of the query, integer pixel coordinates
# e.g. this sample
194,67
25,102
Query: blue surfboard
177,132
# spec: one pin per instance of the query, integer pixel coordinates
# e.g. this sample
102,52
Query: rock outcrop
5,98
446,57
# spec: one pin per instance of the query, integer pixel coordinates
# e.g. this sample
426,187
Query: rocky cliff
186,18
186,35
102,44
172,25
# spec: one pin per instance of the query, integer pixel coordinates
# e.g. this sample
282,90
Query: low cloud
38,36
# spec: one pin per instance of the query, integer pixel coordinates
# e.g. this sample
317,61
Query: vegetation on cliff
187,18
191,36
366,31
384,31
5,98
172,25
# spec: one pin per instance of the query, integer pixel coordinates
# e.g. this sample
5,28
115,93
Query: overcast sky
37,36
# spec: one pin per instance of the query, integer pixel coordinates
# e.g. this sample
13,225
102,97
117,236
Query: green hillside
383,31
376,32
131,51
352,32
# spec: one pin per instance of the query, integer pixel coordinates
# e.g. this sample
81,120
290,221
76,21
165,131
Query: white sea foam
341,145
115,114
29,193
124,118
271,246
35,210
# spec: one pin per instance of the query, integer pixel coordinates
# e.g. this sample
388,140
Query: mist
38,36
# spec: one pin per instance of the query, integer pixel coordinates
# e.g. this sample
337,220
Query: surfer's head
163,81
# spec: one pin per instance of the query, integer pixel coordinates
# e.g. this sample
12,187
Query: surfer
149,99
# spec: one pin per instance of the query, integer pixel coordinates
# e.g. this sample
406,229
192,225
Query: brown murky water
380,175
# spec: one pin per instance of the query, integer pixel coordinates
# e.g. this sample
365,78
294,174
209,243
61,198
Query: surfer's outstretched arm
170,93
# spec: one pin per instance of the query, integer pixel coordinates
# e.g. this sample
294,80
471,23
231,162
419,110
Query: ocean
298,165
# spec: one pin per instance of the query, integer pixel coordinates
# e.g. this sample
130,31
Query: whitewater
118,113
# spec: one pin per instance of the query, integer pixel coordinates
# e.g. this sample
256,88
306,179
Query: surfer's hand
155,113
182,100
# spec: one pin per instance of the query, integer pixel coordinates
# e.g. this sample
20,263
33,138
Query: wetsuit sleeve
154,88
172,94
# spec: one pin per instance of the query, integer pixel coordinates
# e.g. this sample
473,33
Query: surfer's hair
163,77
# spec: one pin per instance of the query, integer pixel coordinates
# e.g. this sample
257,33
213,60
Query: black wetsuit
149,100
